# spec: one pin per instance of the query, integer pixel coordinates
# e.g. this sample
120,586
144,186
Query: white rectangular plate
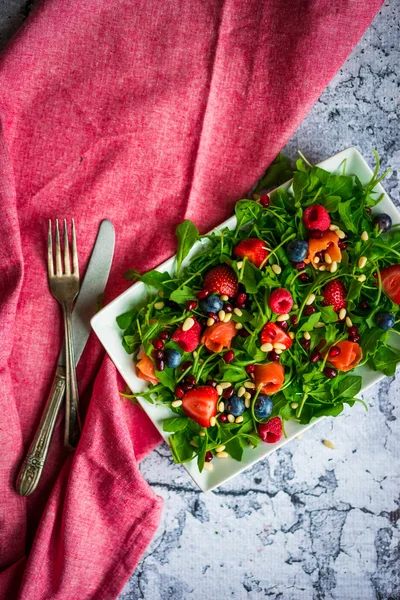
107,330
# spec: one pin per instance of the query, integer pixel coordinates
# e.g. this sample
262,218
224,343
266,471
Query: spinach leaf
187,234
235,448
182,295
182,451
175,424
125,320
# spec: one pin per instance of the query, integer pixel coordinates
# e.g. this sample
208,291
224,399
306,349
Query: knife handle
33,465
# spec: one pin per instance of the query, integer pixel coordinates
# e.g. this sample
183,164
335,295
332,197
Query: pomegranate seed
264,200
363,305
368,210
191,305
353,330
304,278
299,265
212,382
229,356
316,235
223,418
186,365
240,304
241,297
228,308
189,379
160,364
179,391
342,245
273,356
305,343
228,392
202,294
294,319
157,354
250,369
203,322
334,351
158,344
354,338
315,356
320,344
283,325
208,457
214,316
321,256
330,372
244,333
309,310
164,335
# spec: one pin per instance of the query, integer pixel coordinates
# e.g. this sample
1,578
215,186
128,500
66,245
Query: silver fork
64,285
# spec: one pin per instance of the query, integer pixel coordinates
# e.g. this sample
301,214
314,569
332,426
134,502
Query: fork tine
75,264
58,251
67,262
50,263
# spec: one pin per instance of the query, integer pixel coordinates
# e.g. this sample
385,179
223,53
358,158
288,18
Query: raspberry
316,217
270,432
281,301
334,294
188,340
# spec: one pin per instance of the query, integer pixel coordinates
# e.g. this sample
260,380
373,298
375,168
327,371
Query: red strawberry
334,294
271,334
222,280
200,404
271,431
391,282
281,301
188,340
255,250
316,217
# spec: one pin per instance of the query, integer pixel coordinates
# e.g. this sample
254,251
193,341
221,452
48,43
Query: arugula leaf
181,296
386,360
187,234
310,323
249,277
175,424
328,315
247,210
277,173
156,279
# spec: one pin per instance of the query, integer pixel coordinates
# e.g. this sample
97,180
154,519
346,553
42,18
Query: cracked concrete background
308,523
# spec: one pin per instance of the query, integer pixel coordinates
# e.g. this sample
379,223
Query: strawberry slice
200,404
221,280
254,249
391,282
188,340
272,334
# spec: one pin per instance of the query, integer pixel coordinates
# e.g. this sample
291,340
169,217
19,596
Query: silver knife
86,306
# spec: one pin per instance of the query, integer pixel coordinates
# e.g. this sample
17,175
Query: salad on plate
268,320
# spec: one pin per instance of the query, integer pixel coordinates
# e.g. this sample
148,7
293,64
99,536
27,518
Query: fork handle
72,421
33,465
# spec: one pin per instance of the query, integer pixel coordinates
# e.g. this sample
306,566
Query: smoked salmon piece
145,368
328,244
349,357
271,375
219,336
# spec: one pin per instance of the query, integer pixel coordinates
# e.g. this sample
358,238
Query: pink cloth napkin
146,113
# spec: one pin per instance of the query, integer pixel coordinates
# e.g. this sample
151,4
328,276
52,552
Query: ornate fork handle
72,420
32,467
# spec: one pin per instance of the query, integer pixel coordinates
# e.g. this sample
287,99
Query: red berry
158,344
229,356
241,297
250,369
223,418
221,280
208,457
334,351
271,431
200,404
202,294
273,356
164,335
391,282
316,235
316,217
188,340
264,200
354,338
309,310
304,278
228,392
179,391
305,343
254,249
342,245
330,372
334,294
315,356
191,305
299,265
281,301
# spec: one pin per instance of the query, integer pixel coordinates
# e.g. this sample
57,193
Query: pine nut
239,264
294,405
231,418
195,354
295,306
221,315
364,236
210,321
333,227
225,384
221,407
247,402
276,269
307,335
208,466
328,444
362,261
281,318
247,396
239,419
224,298
176,403
327,258
319,325
342,314
188,324
349,322
194,444
322,268
222,455
249,385
341,234
202,433
291,335
279,346
219,389
220,448
161,293
250,444
316,260
159,305
362,278
310,299
278,351
237,312
333,267
239,326
227,317
241,391
267,347
213,421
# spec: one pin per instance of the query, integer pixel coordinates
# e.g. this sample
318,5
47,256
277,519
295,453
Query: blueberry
297,250
172,358
211,303
383,221
235,406
263,406
385,320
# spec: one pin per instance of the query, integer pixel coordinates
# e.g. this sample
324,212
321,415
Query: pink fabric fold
146,113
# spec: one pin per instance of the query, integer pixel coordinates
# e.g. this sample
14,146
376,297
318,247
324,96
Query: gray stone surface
308,522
